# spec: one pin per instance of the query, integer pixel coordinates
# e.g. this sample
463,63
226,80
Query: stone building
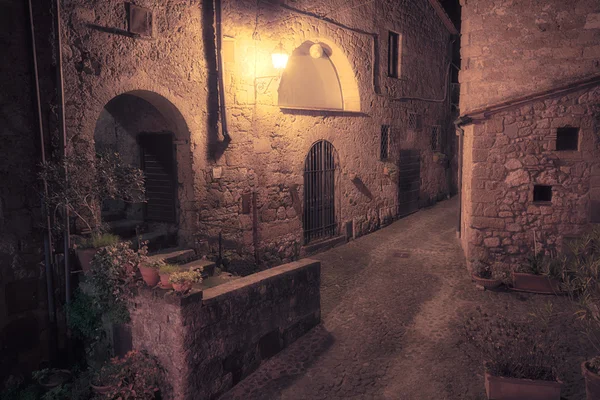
240,156
530,126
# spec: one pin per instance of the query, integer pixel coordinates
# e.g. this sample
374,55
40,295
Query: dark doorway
319,192
157,159
409,182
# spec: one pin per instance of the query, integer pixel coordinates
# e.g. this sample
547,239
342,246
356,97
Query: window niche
542,193
394,53
567,139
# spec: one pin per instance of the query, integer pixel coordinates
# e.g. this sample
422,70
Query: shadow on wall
215,147
360,185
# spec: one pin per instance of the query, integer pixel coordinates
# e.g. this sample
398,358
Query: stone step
175,256
206,267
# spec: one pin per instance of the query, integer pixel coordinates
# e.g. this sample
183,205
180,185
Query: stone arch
317,78
137,114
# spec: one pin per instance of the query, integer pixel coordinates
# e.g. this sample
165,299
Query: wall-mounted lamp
279,57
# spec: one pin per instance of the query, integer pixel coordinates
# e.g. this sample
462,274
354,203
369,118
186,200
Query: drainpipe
48,234
219,45
461,133
66,239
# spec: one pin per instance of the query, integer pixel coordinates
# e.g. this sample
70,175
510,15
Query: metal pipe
66,233
48,234
219,46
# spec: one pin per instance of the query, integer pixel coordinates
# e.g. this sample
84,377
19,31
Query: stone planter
486,283
85,258
164,282
535,283
592,382
150,275
501,388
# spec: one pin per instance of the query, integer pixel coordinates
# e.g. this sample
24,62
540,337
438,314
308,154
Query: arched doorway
319,192
143,127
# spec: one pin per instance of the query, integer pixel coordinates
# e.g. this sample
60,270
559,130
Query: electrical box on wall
140,20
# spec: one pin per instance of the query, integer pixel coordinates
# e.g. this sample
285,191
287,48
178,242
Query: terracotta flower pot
501,388
164,282
182,287
535,283
85,258
486,283
150,275
55,378
592,382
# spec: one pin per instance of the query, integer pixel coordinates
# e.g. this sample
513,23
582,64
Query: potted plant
484,276
135,376
540,274
183,281
90,182
582,283
87,248
150,272
520,357
165,270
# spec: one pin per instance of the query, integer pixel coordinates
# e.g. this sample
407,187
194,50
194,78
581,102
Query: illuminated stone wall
515,150
176,68
512,49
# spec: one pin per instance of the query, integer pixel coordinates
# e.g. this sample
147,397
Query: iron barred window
384,142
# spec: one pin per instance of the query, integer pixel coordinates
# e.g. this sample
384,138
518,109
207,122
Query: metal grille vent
385,142
436,138
415,121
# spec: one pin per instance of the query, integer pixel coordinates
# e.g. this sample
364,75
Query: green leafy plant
135,376
90,181
97,240
84,317
112,279
185,276
531,348
550,265
165,268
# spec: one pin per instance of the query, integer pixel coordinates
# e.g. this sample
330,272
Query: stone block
492,242
487,222
484,196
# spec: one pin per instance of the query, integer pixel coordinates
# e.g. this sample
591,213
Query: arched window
318,77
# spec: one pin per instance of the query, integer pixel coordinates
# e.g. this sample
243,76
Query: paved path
392,306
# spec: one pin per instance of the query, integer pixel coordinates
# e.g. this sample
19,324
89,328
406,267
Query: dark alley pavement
392,303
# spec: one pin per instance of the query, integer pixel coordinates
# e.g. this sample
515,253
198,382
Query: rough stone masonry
530,81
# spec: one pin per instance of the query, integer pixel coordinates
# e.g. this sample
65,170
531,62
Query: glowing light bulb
279,57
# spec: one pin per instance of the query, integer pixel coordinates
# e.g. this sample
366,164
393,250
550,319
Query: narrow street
393,304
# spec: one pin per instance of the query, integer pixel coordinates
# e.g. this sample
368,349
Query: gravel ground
393,305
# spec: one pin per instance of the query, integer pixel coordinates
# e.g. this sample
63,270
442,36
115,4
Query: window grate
384,142
436,138
412,121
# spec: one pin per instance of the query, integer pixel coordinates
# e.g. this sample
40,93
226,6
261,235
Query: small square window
542,193
567,138
393,54
385,142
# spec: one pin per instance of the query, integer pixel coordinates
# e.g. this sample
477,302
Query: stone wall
175,71
514,48
24,328
208,341
507,154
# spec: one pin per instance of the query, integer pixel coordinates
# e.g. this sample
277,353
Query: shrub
135,376
165,268
112,279
544,264
98,240
185,276
525,349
